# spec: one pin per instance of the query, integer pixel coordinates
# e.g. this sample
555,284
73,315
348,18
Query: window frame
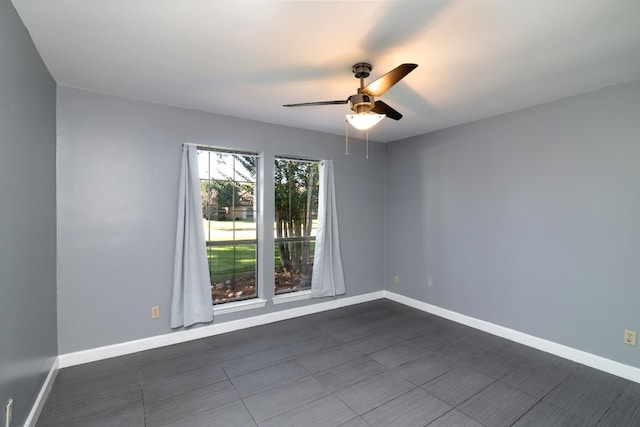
257,300
296,294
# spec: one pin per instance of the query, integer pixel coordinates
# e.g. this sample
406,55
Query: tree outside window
295,223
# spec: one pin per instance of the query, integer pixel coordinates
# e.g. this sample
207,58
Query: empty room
319,213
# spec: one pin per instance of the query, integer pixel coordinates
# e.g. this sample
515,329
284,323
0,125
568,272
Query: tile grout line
241,398
608,409
527,411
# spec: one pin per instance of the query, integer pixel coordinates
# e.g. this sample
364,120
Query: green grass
224,260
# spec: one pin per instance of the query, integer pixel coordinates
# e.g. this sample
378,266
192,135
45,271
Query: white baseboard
616,368
38,405
121,349
610,366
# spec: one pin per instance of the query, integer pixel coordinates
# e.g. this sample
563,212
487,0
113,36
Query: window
295,223
228,187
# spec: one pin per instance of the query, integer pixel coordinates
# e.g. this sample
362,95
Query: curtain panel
327,278
191,300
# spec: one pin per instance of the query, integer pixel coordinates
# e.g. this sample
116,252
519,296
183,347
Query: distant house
245,210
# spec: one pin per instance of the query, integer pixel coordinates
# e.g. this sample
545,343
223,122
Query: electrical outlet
630,337
8,413
396,279
155,312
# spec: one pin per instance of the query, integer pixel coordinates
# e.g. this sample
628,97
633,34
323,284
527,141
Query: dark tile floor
373,364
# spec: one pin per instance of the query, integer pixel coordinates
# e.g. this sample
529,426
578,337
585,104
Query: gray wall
27,217
118,166
529,220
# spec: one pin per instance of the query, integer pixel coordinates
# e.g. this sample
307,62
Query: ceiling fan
363,103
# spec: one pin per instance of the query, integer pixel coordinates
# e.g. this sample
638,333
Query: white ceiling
477,58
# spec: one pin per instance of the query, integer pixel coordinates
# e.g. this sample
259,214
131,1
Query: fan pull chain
367,156
346,132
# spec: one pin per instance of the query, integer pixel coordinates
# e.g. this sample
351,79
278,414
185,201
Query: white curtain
327,278
191,301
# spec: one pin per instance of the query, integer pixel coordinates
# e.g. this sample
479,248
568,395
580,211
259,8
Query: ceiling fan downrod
361,103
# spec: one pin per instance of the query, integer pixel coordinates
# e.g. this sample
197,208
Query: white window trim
292,296
295,295
242,305
233,307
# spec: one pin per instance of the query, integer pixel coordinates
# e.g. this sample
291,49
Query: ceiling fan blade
382,108
310,104
385,82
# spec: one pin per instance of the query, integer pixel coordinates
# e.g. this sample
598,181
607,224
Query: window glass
295,224
228,187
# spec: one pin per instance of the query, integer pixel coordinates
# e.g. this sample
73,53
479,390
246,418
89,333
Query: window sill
232,307
292,296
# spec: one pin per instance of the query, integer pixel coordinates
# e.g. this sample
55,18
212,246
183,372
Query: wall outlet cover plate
630,337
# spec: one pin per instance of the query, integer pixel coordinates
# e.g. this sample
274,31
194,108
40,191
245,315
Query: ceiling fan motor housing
361,102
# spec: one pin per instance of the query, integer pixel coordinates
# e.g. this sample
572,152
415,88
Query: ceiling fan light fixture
364,121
